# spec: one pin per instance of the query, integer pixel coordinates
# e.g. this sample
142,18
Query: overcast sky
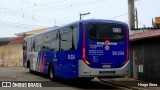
18,16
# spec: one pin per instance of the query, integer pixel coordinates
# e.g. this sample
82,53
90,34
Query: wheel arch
28,63
49,65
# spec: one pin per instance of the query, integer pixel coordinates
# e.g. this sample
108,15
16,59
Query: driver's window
24,47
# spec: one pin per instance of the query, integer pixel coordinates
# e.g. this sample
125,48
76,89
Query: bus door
57,62
68,60
24,54
67,52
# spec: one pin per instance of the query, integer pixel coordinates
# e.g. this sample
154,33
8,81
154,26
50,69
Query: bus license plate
106,72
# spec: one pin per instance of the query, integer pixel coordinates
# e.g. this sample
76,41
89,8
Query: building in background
11,48
145,55
4,41
21,36
156,23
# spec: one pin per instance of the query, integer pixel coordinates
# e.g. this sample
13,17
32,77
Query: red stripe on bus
84,42
43,62
84,46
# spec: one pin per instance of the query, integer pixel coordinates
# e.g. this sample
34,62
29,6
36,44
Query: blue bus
83,49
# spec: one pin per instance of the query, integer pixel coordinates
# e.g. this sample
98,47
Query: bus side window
47,42
34,45
45,48
66,39
55,41
24,45
75,36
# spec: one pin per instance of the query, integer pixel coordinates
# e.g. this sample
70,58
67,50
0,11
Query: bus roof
76,22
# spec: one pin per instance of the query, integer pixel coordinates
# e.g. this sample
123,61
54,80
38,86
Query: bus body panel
106,59
70,63
105,54
86,71
32,57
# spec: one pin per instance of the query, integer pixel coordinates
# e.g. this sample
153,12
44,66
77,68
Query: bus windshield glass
106,31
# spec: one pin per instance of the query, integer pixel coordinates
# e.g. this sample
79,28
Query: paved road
21,74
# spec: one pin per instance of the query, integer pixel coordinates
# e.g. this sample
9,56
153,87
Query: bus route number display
117,30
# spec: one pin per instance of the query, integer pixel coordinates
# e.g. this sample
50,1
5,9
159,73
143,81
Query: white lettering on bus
71,56
117,52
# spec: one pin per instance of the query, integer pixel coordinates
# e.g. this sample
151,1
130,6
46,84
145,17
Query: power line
141,23
72,5
20,26
144,10
19,14
119,16
35,18
87,3
28,2
37,5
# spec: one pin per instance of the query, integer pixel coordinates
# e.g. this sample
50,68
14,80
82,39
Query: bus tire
29,66
51,73
30,69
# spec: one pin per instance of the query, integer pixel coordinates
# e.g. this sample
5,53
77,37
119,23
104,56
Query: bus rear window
105,31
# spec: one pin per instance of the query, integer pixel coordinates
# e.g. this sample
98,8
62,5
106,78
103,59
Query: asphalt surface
23,75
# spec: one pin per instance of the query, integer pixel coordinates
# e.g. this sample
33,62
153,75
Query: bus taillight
84,46
107,41
84,53
86,62
84,57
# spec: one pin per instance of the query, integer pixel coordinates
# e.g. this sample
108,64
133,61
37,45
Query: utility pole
131,14
84,14
136,16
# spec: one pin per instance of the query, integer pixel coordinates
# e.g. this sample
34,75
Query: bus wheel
29,66
51,72
30,69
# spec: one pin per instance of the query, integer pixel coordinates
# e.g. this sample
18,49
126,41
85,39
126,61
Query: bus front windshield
106,31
